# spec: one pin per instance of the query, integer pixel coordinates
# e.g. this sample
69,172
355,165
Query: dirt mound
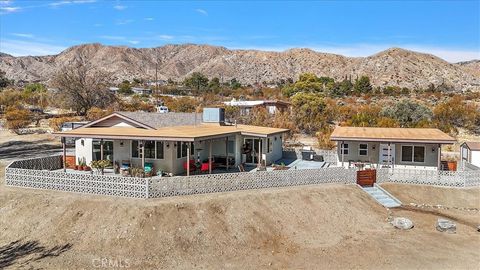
327,226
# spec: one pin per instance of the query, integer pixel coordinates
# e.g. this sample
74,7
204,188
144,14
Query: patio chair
193,167
125,167
205,167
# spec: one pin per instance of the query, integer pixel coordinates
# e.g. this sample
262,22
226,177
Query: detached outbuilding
470,154
418,148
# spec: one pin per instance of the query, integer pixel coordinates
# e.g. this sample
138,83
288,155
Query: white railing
430,177
210,183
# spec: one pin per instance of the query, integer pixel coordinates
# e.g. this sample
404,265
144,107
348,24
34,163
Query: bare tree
81,87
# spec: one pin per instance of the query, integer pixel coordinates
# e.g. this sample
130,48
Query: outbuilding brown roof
475,146
374,134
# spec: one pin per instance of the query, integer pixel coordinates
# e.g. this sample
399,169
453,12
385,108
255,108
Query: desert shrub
56,123
407,113
182,104
95,113
17,118
456,112
323,137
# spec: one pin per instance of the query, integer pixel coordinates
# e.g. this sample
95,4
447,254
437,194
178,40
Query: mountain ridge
394,66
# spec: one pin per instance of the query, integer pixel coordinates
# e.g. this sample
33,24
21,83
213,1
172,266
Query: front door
386,158
251,148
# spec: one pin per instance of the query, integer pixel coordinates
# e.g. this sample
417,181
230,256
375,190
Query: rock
402,223
445,225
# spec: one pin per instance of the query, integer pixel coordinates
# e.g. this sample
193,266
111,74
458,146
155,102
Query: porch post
342,152
101,149
188,158
210,157
226,152
143,154
64,154
439,165
260,152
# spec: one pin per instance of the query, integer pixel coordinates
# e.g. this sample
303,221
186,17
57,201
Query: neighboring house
246,106
113,90
390,147
470,153
168,140
141,91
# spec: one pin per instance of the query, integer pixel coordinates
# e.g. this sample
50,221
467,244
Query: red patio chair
192,165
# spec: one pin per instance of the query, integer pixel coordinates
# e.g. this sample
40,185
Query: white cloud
149,19
9,9
23,48
5,2
112,37
165,37
202,11
23,35
119,7
70,2
134,42
123,22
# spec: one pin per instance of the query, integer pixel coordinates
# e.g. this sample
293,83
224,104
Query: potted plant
100,165
451,163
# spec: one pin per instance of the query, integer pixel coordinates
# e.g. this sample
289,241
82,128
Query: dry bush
56,123
323,137
17,118
95,113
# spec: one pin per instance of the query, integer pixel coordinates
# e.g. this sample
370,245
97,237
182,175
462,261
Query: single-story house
390,147
470,153
168,140
246,106
141,91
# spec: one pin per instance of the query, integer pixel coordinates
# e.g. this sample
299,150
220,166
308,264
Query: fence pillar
64,154
210,157
188,158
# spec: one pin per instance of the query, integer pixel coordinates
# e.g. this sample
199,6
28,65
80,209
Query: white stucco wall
475,158
83,151
431,157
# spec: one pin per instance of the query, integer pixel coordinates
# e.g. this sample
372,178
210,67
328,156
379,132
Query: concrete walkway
382,196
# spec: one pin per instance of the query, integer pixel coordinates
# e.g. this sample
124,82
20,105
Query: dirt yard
311,227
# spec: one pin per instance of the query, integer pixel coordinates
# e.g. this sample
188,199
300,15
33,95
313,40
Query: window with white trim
153,149
344,148
363,149
412,153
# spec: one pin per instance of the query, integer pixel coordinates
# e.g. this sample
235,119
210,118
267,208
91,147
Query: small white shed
470,152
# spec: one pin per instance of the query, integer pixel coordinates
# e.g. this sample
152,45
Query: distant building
113,90
470,154
246,106
141,91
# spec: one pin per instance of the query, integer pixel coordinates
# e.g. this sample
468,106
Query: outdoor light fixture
168,145
82,142
433,149
121,143
275,138
373,147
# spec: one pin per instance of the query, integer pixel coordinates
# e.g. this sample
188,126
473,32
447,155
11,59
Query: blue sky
449,29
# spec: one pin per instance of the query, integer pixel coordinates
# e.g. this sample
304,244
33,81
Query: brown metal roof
475,146
373,134
186,133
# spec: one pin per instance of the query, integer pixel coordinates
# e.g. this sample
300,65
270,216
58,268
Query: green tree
214,84
4,82
362,85
125,88
307,82
407,113
196,81
234,84
309,112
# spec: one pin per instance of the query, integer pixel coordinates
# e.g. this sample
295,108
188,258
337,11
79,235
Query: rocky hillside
391,67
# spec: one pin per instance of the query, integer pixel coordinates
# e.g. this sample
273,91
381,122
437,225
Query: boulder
402,223
445,225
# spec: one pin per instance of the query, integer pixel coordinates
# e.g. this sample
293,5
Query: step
382,197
